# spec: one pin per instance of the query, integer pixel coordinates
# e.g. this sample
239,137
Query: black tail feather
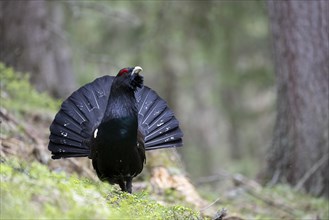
71,154
172,138
162,130
66,141
156,121
79,116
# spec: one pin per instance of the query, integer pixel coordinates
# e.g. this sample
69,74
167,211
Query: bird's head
130,76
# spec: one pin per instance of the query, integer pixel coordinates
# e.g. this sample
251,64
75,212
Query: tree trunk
299,151
32,40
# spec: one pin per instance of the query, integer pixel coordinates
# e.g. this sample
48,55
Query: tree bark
299,152
32,40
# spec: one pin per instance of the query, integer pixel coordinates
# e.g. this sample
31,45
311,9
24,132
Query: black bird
113,120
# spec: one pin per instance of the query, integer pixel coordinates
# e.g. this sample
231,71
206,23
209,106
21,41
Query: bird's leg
122,184
129,184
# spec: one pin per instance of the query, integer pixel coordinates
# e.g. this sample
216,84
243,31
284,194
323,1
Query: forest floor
35,187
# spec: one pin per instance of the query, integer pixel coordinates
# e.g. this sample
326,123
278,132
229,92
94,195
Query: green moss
17,94
33,191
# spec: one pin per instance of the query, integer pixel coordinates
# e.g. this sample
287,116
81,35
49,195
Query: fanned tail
157,121
79,116
83,111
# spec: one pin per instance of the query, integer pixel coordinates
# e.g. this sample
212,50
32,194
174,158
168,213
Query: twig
108,12
250,191
208,206
212,178
311,171
282,207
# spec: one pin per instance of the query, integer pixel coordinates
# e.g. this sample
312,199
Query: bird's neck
120,122
122,103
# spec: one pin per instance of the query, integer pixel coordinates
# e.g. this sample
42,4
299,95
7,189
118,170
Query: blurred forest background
213,61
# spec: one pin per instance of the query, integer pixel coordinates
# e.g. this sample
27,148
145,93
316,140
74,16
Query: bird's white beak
136,70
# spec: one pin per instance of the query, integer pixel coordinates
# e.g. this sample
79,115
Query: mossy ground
31,190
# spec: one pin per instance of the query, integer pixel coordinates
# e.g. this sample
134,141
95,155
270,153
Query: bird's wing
157,121
79,116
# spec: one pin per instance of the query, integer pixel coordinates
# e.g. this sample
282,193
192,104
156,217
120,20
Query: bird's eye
123,71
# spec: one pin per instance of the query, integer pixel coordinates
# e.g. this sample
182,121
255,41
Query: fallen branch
241,180
213,178
311,171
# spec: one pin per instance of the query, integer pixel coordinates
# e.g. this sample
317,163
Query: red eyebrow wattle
122,71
